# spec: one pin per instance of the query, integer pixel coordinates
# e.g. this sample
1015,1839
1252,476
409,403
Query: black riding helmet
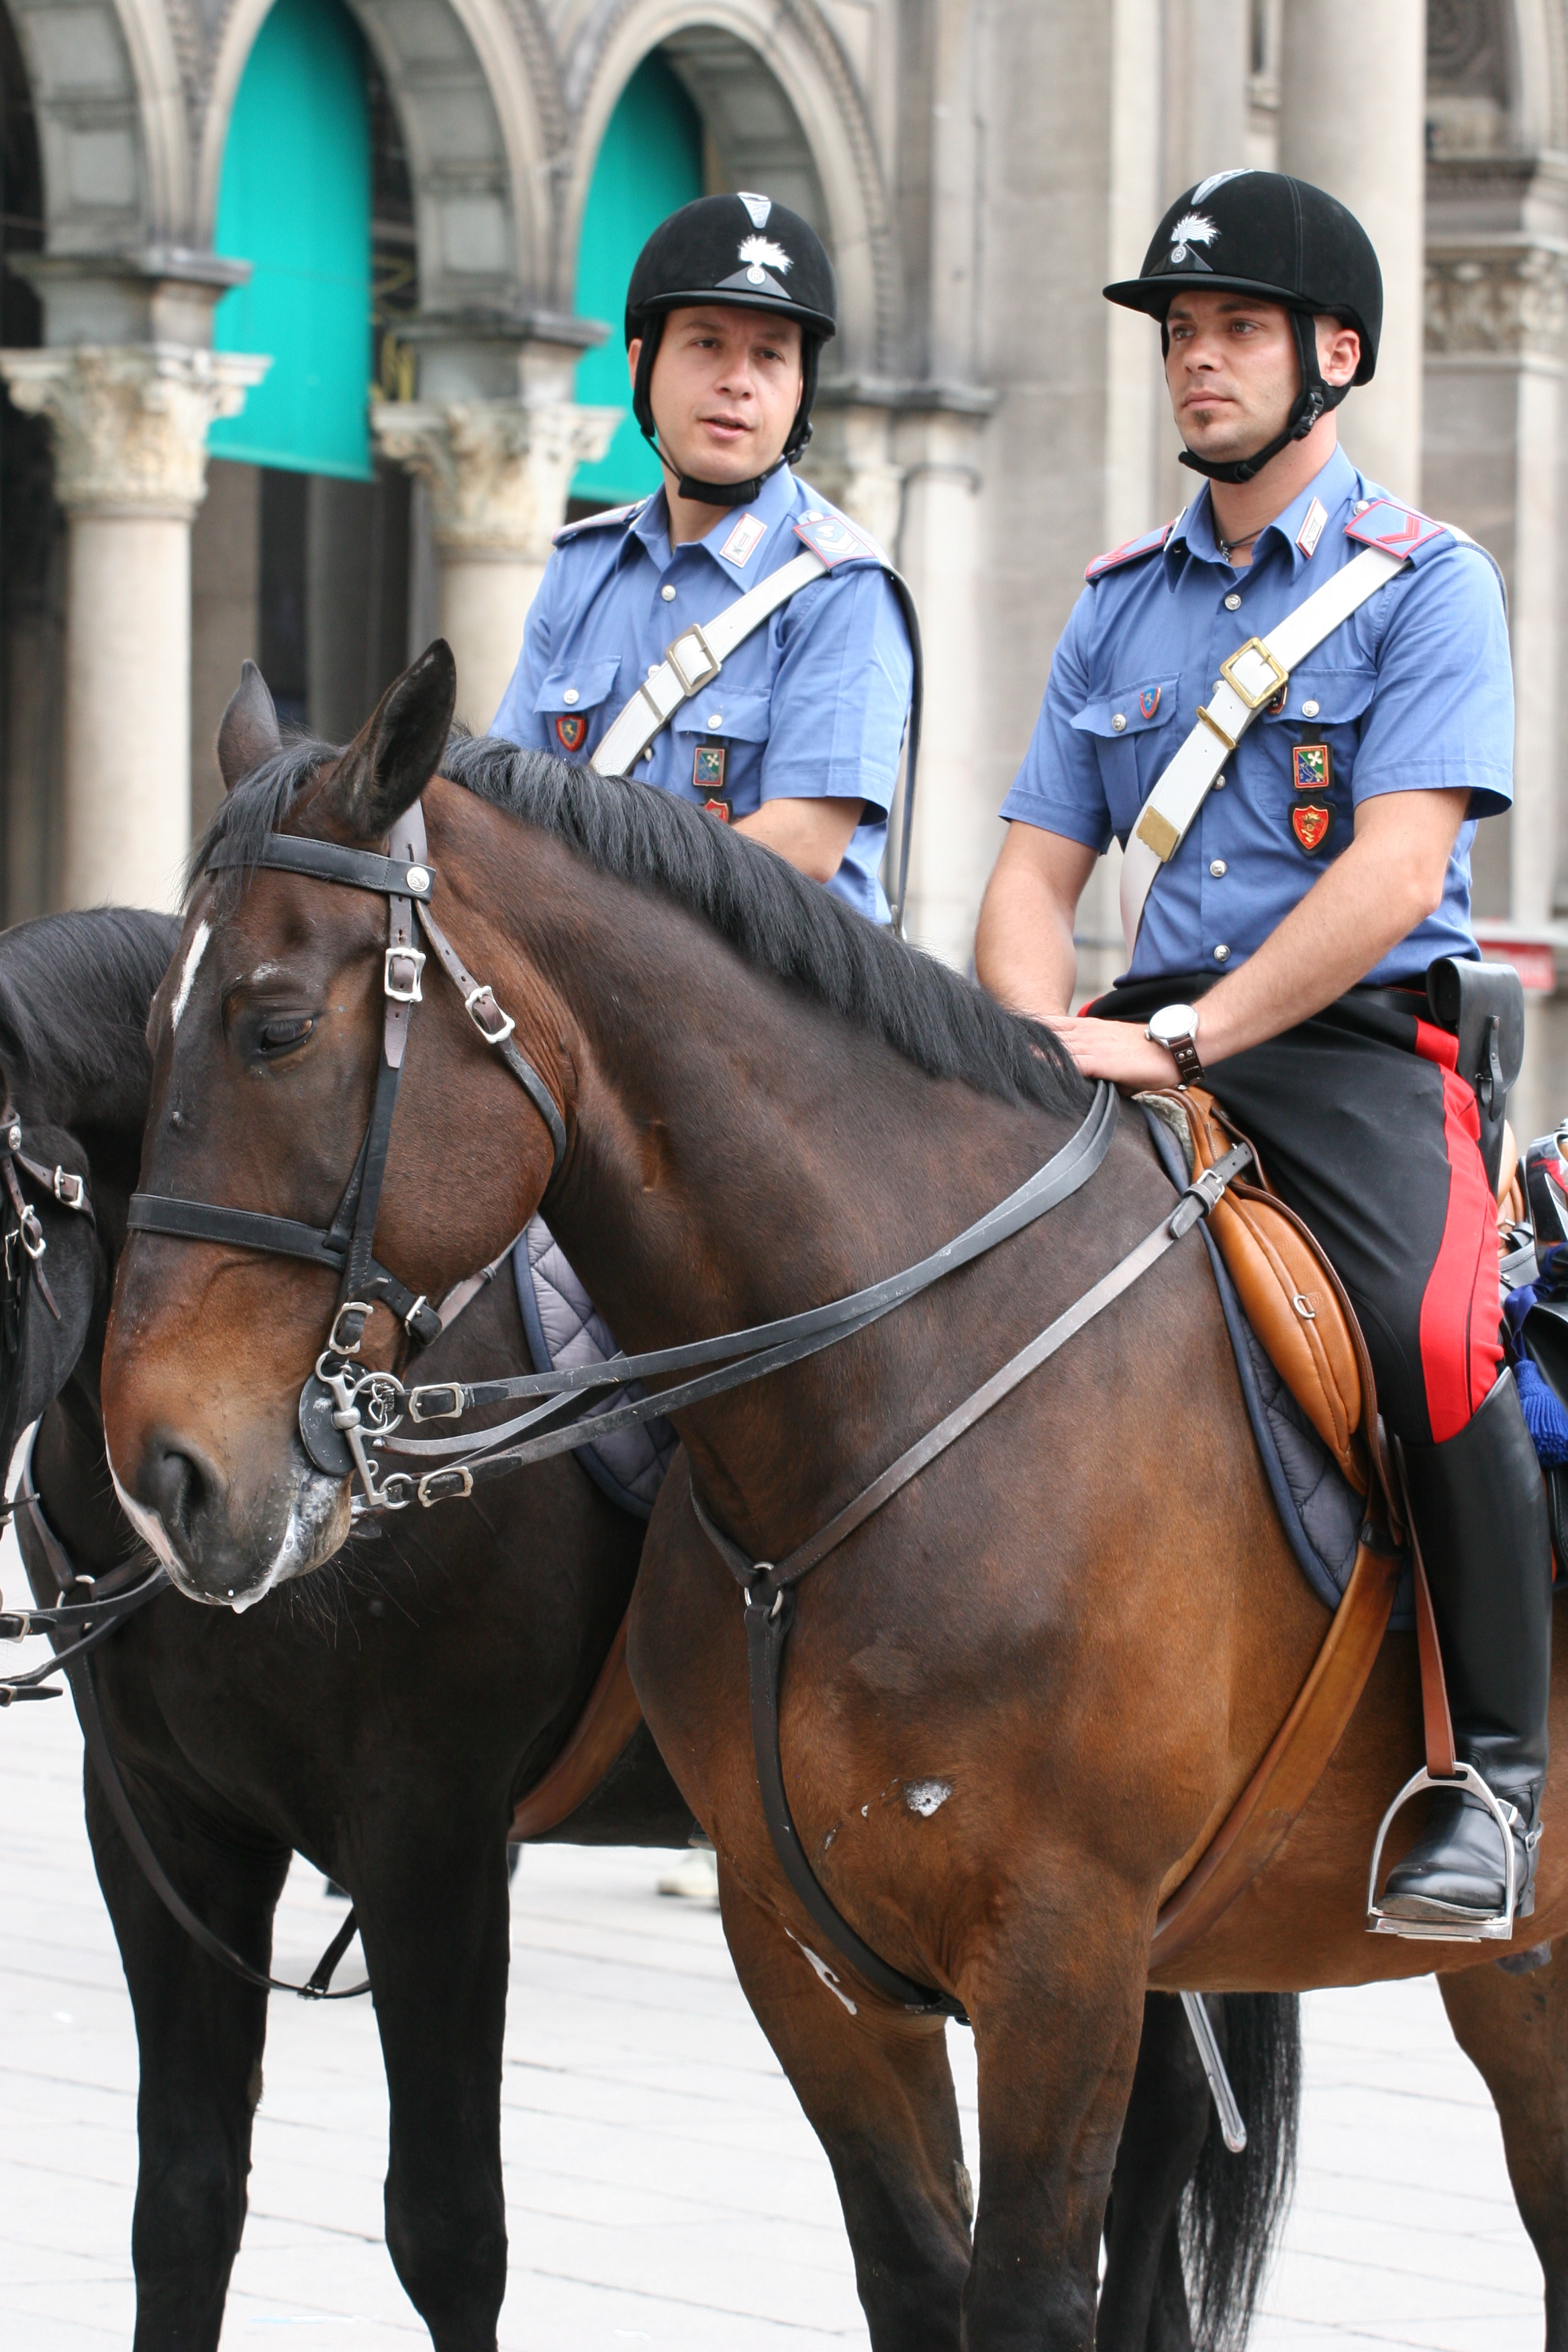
748,254
1250,232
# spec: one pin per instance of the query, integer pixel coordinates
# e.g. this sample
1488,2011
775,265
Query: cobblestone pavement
662,2187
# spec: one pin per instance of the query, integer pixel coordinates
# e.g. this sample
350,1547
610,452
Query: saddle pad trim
587,1454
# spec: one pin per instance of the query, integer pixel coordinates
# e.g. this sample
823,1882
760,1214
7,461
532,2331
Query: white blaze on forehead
194,955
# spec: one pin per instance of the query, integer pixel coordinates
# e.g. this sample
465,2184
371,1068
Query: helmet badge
764,255
1192,228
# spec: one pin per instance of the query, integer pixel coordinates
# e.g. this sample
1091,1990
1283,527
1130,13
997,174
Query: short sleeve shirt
813,705
1412,693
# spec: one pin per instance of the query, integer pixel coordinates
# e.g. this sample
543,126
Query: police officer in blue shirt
797,739
1280,951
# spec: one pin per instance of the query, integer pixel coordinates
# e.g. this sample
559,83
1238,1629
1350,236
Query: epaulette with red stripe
1131,551
1397,529
599,521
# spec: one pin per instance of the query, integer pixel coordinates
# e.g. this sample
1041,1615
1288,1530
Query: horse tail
1235,2205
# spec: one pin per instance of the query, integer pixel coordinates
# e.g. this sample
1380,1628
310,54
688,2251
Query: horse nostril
174,1486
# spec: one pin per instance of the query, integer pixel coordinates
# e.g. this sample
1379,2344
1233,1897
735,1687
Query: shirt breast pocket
1318,728
577,701
733,715
1131,730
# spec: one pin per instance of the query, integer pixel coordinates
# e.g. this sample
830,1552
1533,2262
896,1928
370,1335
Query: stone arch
478,104
109,101
785,113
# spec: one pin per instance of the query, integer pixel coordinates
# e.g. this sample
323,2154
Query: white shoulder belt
694,659
1251,678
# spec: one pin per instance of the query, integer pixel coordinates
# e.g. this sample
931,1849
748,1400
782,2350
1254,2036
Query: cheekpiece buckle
1276,675
406,992
470,1004
70,1189
336,1346
32,1233
690,679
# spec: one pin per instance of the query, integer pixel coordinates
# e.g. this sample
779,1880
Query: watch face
1173,1023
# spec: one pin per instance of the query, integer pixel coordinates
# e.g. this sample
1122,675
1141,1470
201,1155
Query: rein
92,1621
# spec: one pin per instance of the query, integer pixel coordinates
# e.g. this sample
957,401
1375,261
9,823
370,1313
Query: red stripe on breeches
1460,1349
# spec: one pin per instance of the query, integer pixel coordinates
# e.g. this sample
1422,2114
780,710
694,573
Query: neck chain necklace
1227,547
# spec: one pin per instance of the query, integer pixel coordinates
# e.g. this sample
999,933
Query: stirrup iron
1498,1928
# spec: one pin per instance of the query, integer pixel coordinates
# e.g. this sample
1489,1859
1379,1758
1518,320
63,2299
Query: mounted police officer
1294,865
796,738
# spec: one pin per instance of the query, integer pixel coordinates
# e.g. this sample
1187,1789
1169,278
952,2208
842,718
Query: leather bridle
346,1246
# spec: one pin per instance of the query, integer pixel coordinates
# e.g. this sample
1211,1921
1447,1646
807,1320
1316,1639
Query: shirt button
1221,954
1233,602
715,718
1120,720
1216,866
1360,506
1310,709
1219,782
668,596
570,695
653,669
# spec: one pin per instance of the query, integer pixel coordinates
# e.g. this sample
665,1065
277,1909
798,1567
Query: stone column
1352,120
129,426
1494,355
850,460
497,473
956,836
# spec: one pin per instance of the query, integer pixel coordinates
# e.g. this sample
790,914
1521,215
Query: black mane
771,914
74,991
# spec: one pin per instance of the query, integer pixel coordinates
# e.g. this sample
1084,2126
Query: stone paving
662,2186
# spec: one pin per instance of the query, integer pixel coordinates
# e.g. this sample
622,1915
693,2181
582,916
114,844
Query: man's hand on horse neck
812,834
1373,895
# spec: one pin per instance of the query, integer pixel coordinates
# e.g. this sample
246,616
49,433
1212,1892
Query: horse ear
399,748
248,732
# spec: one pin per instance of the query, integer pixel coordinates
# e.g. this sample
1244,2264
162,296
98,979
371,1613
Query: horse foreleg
877,2092
1057,2006
200,2032
1515,2031
1142,2301
435,1923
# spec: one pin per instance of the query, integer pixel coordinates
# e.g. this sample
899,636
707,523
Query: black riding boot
1481,1514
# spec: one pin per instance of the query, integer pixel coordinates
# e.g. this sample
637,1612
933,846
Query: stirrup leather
1498,1928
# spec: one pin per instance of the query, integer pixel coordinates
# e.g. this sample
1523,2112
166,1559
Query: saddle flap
1292,1297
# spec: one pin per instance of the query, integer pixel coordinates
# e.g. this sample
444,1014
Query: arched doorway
31,577
300,553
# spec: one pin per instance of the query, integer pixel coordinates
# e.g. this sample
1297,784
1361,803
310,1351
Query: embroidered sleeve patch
836,540
1148,542
1400,530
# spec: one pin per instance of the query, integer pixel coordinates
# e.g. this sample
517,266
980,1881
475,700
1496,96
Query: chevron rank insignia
1398,530
836,540
1148,542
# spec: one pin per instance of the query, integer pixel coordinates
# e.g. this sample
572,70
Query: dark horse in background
383,1723
1086,1617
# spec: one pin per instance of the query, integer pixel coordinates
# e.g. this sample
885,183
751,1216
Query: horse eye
277,1036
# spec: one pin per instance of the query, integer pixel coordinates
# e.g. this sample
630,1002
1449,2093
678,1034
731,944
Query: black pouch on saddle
1483,1005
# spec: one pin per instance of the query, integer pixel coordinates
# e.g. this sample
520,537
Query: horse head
269,1035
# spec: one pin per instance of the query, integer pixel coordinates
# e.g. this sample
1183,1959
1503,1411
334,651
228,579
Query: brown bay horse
1084,1623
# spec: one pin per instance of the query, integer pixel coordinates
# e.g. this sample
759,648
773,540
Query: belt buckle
1279,675
692,679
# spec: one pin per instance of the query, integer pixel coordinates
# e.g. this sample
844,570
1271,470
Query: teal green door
649,163
294,201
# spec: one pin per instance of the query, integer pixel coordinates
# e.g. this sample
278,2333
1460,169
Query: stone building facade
980,169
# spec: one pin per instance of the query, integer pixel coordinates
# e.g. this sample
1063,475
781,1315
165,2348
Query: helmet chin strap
1315,400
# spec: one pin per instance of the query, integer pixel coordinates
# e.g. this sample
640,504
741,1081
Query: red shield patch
1309,822
721,809
572,730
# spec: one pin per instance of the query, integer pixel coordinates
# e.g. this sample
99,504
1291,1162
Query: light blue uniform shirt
811,706
1412,693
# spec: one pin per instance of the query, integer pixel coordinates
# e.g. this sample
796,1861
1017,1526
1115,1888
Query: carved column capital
498,470
1505,298
130,423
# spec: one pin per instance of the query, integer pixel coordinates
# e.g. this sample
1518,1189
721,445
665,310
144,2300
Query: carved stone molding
499,471
130,424
1506,300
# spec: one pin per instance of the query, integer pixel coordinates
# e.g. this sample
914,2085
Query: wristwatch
1176,1026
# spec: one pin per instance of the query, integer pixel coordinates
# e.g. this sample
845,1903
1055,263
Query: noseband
346,1246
